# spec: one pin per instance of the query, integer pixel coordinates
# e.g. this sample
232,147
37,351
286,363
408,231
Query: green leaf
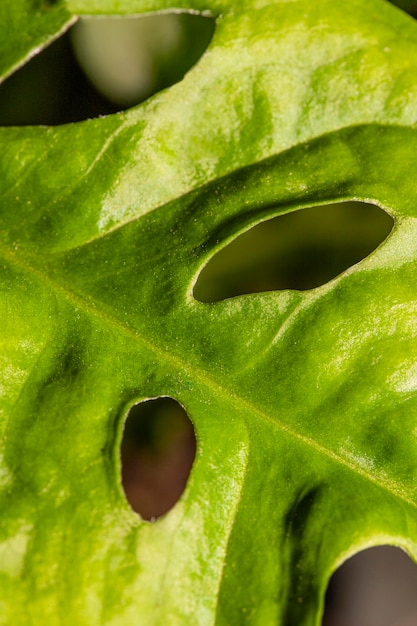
26,26
304,403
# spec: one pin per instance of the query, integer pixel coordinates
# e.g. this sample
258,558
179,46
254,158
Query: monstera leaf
304,403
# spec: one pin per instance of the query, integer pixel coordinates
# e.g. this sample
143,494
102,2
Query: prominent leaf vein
239,401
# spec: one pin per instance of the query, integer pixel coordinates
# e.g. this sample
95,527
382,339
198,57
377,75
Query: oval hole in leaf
102,66
157,452
299,250
376,587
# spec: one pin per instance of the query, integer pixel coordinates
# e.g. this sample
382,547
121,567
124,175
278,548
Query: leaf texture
304,403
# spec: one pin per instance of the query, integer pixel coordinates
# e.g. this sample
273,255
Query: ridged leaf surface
304,403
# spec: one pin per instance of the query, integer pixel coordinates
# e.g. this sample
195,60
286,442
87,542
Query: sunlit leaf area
208,268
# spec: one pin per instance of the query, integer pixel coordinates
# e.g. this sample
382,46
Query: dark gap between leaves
103,66
157,452
299,250
409,6
376,587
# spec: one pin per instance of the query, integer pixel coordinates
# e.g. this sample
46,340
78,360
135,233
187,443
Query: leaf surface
304,403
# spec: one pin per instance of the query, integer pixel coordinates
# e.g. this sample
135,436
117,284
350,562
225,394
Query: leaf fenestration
299,250
157,452
304,402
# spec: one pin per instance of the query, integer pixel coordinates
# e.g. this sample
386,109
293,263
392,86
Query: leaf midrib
91,308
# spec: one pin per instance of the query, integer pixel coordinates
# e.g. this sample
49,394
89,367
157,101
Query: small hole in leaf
299,250
157,452
376,587
102,66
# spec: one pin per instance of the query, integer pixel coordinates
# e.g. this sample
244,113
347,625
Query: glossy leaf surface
304,403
